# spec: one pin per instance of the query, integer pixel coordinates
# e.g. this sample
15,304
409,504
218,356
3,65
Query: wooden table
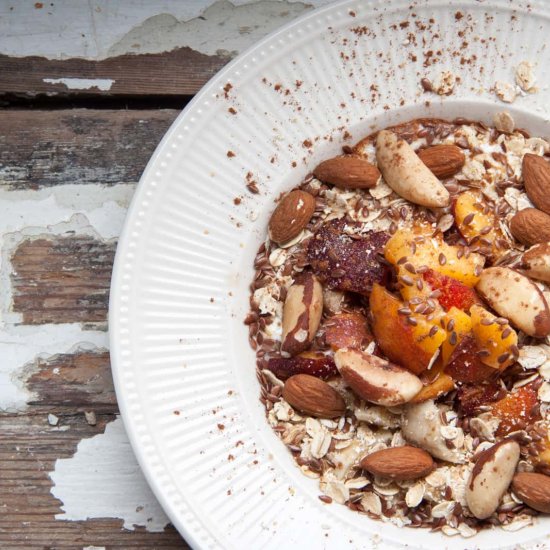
87,89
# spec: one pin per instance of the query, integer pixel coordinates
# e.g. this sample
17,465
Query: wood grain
44,148
29,448
182,71
62,280
80,381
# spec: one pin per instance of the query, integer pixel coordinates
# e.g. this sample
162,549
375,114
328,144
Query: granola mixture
390,313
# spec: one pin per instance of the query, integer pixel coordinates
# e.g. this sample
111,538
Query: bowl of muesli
400,318
367,189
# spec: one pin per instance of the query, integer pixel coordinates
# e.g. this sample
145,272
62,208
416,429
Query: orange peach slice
441,385
409,340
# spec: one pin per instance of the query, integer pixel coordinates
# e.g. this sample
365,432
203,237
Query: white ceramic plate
184,262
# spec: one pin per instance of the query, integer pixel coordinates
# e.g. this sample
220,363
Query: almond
406,174
536,178
533,489
312,396
443,160
491,476
376,380
535,262
301,313
399,463
531,226
348,172
291,216
516,297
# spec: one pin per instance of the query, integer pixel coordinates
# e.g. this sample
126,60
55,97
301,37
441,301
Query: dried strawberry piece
315,364
344,261
465,365
473,397
517,410
453,292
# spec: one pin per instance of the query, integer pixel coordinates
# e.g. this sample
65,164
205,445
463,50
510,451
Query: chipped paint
110,27
103,84
103,479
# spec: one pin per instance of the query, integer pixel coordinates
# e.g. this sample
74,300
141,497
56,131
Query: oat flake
531,357
415,494
371,503
505,91
525,77
504,122
544,393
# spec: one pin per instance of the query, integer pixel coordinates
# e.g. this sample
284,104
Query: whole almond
443,160
348,172
531,226
301,313
490,477
399,463
536,178
291,216
312,396
533,489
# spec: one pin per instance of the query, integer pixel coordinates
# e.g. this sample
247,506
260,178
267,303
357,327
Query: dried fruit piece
399,463
312,396
406,174
421,249
515,297
533,489
491,476
531,226
409,340
441,385
478,226
376,380
348,172
497,339
301,313
517,410
443,160
536,262
347,330
453,293
473,397
346,263
465,364
458,324
312,363
291,216
536,178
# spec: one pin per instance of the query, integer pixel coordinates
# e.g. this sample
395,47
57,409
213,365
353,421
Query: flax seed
412,321
410,268
407,280
468,219
453,339
505,333
442,259
503,358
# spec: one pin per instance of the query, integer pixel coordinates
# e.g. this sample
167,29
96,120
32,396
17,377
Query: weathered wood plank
180,72
29,448
44,148
62,280
78,381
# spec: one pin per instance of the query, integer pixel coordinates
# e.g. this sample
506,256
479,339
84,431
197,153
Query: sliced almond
399,463
491,476
291,216
535,262
533,489
376,380
301,313
516,297
536,178
443,160
531,226
422,425
348,172
312,396
406,174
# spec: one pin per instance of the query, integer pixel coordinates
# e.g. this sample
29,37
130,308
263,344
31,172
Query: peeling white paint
64,29
103,479
103,84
